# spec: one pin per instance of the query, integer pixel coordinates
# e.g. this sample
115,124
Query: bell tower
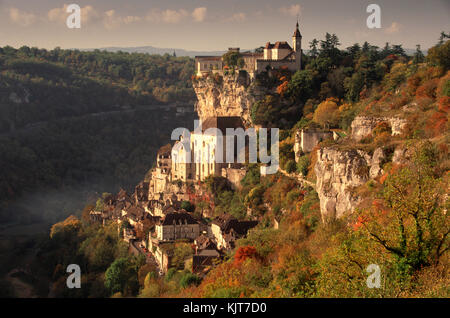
297,46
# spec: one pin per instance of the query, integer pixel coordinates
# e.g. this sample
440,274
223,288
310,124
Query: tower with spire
297,46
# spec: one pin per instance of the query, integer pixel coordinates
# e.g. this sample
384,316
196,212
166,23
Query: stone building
208,151
177,225
226,230
277,55
307,139
161,175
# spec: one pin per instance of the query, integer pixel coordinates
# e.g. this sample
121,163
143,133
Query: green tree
418,55
300,86
121,276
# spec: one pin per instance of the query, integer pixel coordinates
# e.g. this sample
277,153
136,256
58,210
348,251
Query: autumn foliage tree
327,113
243,253
413,225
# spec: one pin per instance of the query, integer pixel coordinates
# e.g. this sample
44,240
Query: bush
188,206
170,273
302,165
290,166
189,279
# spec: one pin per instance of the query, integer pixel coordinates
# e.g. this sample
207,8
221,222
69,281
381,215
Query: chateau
279,54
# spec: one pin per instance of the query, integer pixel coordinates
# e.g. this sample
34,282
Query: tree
121,276
327,113
189,279
442,37
410,223
418,55
313,52
300,86
440,55
188,206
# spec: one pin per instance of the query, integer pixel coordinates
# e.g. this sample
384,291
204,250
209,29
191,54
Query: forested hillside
401,223
38,85
72,121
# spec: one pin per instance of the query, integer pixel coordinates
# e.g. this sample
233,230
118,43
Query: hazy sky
218,24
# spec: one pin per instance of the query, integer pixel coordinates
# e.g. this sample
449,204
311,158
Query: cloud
112,21
21,18
173,16
293,11
237,17
394,28
88,14
199,14
167,16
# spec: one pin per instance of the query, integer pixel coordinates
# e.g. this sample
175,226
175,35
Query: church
275,55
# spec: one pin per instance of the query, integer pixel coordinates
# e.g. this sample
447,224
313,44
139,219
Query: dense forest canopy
48,136
38,85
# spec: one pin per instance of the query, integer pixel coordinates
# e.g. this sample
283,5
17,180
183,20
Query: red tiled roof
282,45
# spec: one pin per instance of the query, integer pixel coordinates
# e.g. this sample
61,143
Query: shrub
188,206
428,89
189,279
170,273
396,76
290,166
382,127
302,165
243,253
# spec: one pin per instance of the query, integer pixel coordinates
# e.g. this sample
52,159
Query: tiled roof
178,218
282,45
165,150
222,123
228,223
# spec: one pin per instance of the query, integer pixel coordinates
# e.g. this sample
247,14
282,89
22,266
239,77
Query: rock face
338,172
231,96
364,125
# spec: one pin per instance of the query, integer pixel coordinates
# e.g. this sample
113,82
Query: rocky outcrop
232,95
338,172
364,125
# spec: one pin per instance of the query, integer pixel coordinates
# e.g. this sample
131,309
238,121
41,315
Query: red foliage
359,223
444,104
243,253
413,83
282,88
428,89
436,124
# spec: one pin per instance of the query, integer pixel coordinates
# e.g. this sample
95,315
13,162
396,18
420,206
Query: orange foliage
399,102
243,253
282,88
359,222
444,104
436,125
428,89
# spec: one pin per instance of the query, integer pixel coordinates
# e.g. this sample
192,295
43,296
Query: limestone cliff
340,171
230,95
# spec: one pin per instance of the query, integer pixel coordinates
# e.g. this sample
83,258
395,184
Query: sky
209,25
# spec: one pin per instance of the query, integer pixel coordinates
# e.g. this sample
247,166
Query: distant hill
161,51
182,52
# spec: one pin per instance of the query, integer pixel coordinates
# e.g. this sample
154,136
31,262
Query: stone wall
364,125
234,175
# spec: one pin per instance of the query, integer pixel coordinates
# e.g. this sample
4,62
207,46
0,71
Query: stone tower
297,45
